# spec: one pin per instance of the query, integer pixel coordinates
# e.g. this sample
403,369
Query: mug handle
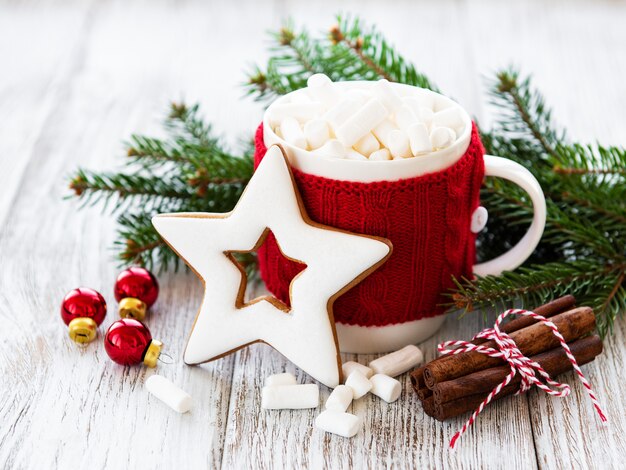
512,171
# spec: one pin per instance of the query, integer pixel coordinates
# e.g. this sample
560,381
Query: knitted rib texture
427,219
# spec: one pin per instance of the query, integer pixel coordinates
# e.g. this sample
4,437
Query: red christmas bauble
138,283
83,303
127,341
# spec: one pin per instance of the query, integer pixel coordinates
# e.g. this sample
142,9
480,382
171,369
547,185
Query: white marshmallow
300,111
292,133
386,388
322,89
399,144
449,117
340,398
427,100
360,123
384,92
405,117
382,130
336,422
352,154
442,137
419,140
348,367
426,115
380,155
280,379
340,113
360,95
318,80
398,362
359,384
423,100
290,397
414,103
168,393
300,97
367,144
331,149
316,133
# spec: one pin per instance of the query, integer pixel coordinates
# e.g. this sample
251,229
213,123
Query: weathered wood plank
35,68
64,406
580,46
572,424
397,435
77,79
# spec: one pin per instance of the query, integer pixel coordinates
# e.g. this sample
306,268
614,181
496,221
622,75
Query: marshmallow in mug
367,124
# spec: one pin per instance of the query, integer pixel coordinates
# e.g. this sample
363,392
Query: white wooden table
77,78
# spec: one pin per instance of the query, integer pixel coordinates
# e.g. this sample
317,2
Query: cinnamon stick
429,408
468,403
550,309
463,405
423,393
553,361
531,340
560,305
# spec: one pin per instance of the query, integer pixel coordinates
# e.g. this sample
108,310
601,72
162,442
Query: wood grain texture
394,435
77,78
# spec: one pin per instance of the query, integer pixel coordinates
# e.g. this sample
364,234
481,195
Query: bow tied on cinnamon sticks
455,384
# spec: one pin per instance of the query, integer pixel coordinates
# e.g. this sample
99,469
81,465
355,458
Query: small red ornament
128,342
136,289
83,310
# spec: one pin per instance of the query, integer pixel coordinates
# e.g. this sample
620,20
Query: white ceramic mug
371,339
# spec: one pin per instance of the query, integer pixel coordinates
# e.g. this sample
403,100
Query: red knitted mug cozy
427,218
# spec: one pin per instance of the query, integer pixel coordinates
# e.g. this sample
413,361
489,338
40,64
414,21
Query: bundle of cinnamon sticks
456,384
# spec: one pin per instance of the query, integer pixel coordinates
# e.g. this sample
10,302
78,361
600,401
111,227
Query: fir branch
562,225
295,57
350,52
379,58
605,165
185,124
538,284
140,244
618,214
190,148
356,47
589,171
523,111
91,187
300,46
260,87
582,252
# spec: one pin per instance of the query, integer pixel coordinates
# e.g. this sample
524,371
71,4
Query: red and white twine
527,368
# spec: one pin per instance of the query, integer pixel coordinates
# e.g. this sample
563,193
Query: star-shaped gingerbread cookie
304,332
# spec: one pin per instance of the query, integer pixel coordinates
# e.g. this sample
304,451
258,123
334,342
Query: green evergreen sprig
187,171
583,251
350,51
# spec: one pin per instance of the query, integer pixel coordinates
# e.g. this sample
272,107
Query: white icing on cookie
335,261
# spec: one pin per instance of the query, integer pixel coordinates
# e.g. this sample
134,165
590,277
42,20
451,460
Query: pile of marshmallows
368,124
282,392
